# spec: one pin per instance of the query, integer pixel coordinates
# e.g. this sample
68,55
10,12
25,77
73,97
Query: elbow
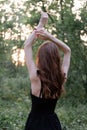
68,51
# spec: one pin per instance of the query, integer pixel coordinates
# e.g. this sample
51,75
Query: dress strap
41,90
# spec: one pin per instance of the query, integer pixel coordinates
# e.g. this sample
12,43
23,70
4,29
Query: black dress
42,115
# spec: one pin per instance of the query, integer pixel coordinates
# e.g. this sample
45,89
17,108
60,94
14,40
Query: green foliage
14,83
15,104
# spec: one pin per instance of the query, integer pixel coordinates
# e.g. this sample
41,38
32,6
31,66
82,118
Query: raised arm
28,48
67,53
65,48
29,56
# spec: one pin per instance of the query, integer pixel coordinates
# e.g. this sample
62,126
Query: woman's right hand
44,18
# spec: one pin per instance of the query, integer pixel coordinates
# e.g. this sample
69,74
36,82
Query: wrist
40,25
50,37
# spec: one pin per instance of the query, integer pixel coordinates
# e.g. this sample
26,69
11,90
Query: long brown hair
49,70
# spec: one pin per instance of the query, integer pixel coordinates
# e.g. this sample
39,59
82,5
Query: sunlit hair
49,70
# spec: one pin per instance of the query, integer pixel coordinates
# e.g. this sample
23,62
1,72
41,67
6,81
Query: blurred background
68,22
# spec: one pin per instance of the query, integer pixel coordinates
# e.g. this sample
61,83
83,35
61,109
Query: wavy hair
49,70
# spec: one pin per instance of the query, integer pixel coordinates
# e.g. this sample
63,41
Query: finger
39,32
40,29
42,35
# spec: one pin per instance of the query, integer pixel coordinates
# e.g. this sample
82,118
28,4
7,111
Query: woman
47,77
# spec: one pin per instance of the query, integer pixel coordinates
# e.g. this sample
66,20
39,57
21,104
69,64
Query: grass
15,105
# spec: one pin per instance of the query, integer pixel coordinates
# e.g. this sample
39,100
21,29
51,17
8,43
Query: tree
62,22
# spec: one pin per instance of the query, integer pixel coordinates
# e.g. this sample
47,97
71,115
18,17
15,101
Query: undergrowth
15,104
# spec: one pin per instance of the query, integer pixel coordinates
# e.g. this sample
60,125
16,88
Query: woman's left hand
41,34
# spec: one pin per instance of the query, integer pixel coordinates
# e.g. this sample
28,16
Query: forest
68,22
